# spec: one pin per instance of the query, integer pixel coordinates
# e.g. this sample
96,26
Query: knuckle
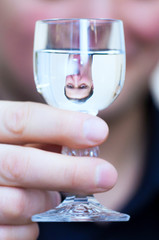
68,175
13,166
16,118
18,205
13,205
74,175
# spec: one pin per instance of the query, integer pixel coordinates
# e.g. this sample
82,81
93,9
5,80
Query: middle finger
34,168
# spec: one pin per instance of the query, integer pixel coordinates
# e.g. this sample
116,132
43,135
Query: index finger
33,122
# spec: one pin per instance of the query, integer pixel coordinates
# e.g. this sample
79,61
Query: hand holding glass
79,64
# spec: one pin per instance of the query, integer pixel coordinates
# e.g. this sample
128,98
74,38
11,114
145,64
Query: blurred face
141,22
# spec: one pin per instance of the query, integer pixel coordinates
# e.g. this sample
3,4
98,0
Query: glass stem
80,208
89,152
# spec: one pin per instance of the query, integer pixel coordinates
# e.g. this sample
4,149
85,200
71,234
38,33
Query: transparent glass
79,64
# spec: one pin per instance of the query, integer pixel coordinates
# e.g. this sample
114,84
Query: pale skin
27,171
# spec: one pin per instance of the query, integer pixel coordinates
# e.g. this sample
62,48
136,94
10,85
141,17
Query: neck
125,149
126,135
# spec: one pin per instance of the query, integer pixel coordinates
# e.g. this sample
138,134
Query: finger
18,205
26,232
33,168
34,122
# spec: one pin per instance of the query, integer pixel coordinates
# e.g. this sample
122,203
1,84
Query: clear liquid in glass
80,81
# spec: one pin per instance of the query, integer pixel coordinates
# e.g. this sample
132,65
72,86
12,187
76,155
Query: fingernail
95,129
106,176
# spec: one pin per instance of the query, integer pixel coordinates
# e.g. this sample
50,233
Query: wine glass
79,64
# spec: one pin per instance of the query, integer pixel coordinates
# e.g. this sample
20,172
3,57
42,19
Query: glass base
80,209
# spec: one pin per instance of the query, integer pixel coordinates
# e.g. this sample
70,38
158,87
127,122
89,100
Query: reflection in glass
79,83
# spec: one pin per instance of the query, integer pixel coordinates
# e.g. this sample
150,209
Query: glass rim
64,20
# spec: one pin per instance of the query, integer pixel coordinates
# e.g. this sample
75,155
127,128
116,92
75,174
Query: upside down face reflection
79,84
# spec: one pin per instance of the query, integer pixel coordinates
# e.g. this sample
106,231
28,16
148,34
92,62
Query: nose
76,79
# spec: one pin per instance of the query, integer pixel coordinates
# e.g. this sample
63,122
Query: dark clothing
143,208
